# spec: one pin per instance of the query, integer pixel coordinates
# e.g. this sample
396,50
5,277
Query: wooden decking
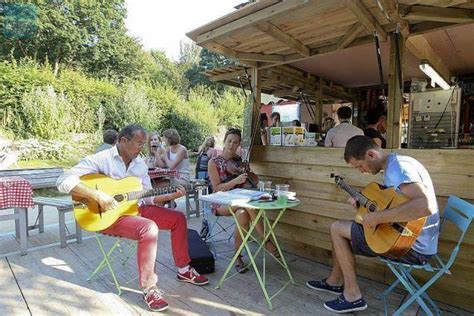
51,280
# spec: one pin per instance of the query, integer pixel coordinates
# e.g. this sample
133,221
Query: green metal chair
458,212
126,249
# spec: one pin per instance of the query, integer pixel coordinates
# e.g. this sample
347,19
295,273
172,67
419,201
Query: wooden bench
42,178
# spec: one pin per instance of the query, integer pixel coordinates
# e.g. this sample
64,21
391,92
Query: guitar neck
153,192
359,197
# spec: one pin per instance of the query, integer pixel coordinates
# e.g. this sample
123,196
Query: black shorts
360,247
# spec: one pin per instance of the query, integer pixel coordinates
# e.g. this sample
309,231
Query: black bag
201,257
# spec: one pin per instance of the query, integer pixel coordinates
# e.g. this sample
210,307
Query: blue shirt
404,169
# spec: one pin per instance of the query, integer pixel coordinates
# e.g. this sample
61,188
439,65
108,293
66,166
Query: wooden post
318,119
395,98
255,102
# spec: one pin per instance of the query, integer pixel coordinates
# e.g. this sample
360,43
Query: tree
207,60
66,33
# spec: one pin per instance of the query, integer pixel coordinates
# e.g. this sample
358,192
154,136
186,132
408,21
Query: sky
161,24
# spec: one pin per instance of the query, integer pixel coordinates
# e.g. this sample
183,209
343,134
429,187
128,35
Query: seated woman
155,148
223,179
175,156
206,152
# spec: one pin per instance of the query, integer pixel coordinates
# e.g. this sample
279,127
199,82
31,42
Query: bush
230,108
45,114
133,107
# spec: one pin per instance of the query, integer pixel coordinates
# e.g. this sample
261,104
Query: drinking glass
282,193
268,187
261,186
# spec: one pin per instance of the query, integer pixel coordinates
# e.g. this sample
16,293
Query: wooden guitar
388,239
125,191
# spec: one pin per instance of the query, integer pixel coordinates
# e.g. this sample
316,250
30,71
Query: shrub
44,114
230,108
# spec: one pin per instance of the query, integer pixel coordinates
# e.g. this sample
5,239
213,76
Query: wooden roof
270,33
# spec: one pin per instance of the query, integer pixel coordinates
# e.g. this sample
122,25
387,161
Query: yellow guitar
394,239
125,191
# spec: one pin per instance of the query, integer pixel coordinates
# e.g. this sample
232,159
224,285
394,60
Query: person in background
275,119
263,128
296,123
206,152
408,177
110,139
224,179
375,123
328,123
155,148
123,161
340,134
175,156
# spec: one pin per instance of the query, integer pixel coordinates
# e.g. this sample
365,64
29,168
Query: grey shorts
360,247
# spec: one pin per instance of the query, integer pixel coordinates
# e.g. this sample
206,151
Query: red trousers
144,229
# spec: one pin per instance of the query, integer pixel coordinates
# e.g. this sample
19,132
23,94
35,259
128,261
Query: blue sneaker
325,287
340,305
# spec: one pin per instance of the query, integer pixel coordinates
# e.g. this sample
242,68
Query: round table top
273,205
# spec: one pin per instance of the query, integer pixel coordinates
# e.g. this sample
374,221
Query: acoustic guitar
125,191
388,239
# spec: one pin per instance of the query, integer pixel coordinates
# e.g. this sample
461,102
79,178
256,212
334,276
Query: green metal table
262,210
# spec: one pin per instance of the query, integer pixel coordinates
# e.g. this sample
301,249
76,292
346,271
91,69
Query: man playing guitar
408,177
119,162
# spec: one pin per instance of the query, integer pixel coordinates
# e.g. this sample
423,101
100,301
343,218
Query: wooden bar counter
305,229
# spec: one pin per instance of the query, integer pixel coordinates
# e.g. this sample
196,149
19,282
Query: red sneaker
154,299
192,277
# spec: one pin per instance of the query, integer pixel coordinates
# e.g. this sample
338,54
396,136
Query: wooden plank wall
305,229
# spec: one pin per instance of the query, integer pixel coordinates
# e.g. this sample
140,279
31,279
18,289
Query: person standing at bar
340,134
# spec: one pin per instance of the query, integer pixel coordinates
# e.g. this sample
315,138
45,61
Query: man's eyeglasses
138,144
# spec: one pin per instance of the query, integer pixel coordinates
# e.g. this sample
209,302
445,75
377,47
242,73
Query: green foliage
230,108
90,35
46,114
134,107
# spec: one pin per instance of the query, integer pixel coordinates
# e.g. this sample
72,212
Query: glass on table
281,191
268,187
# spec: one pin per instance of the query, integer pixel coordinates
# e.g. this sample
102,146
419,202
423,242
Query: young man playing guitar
119,162
409,178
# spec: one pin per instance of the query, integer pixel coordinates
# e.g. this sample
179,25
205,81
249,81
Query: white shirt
340,134
107,162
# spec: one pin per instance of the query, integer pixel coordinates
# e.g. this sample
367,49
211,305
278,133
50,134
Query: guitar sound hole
119,197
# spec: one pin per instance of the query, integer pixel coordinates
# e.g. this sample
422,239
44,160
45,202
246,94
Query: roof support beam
421,48
228,52
251,19
227,75
390,7
351,35
259,57
449,15
364,16
283,38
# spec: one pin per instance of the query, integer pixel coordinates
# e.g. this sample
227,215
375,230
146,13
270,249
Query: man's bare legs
343,271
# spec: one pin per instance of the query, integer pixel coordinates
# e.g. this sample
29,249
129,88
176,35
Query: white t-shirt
340,134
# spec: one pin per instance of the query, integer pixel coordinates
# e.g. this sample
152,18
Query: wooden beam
395,98
226,76
228,52
351,35
322,50
283,38
390,7
421,48
367,19
266,14
449,15
253,7
259,57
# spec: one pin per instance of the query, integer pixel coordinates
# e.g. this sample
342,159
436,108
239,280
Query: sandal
240,266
